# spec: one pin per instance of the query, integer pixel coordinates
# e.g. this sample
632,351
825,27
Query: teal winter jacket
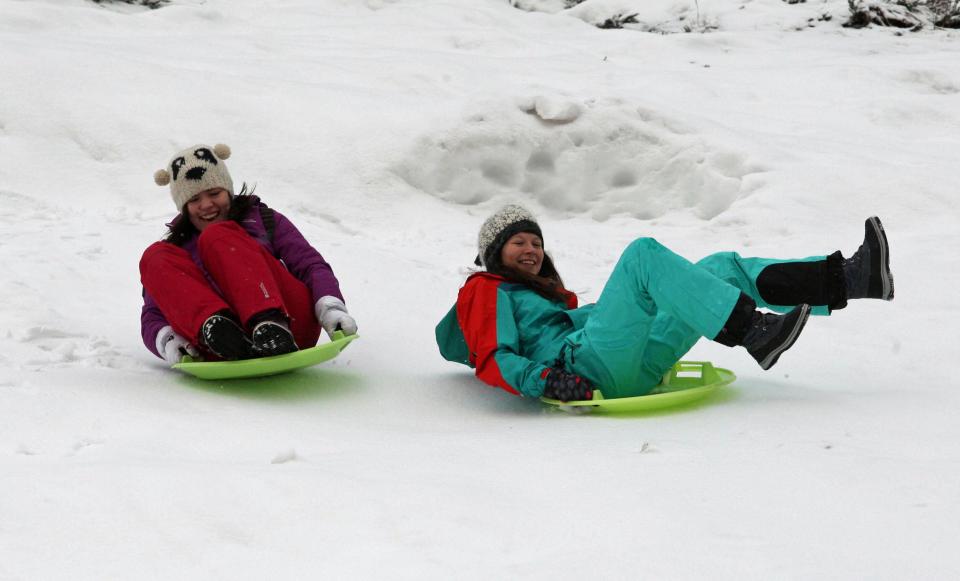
510,334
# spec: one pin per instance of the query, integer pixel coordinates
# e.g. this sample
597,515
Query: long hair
182,229
547,283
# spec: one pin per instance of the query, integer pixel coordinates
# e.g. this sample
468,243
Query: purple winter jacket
289,245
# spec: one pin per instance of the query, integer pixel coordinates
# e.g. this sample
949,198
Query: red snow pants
248,278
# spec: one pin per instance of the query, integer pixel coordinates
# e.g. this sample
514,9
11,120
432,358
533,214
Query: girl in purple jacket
232,279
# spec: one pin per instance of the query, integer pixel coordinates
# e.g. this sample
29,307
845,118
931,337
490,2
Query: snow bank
598,158
693,16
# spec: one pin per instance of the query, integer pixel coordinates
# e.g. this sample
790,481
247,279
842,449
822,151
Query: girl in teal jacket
522,331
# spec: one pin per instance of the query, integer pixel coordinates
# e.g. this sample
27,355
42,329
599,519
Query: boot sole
886,277
225,339
273,340
772,357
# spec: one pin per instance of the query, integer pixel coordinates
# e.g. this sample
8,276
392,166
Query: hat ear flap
161,177
222,151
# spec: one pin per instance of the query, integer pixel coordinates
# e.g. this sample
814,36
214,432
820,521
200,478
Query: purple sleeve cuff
151,321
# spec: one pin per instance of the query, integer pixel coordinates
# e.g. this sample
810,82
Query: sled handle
705,369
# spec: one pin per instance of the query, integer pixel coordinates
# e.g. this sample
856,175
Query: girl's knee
642,247
160,251
645,244
219,231
225,228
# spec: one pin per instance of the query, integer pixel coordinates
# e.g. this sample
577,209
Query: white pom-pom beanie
194,170
499,227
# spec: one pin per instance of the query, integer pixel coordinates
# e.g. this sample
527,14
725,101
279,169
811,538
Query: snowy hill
387,130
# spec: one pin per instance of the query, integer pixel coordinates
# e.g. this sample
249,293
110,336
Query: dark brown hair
182,229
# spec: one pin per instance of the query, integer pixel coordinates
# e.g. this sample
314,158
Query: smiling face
208,207
524,252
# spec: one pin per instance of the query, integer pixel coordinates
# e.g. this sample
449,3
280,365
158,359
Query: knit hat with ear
194,170
499,227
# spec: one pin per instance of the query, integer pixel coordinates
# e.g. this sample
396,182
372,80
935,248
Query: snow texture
387,130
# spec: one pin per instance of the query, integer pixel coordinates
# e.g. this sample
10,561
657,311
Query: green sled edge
264,366
687,382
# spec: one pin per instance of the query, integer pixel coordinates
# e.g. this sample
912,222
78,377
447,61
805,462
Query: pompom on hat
194,170
498,228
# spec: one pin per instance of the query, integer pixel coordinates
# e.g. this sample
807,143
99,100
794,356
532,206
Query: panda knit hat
194,170
499,227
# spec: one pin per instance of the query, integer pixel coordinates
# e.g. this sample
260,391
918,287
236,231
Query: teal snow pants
654,308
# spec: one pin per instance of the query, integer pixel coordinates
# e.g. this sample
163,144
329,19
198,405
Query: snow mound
596,157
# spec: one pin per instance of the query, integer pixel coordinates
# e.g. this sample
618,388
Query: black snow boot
867,273
771,334
271,334
222,335
765,335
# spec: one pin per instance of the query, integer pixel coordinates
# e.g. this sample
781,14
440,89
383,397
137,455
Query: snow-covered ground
387,130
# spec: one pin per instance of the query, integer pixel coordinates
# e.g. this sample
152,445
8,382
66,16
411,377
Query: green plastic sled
687,382
265,365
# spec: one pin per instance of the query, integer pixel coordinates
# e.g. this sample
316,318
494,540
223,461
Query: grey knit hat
499,227
194,170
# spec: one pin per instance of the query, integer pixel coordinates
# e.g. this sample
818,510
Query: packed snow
387,130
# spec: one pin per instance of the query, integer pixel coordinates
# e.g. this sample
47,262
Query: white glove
332,313
172,346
